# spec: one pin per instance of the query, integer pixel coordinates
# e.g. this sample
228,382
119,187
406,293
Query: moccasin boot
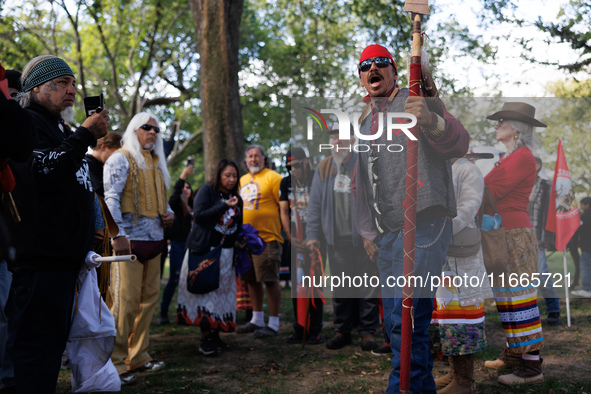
507,359
446,379
463,378
529,371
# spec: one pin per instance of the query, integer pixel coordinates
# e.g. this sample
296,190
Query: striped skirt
518,305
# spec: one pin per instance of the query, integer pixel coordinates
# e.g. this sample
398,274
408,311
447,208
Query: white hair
526,136
25,99
132,144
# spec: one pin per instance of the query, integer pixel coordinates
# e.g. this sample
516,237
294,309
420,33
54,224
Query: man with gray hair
331,216
55,200
260,193
135,181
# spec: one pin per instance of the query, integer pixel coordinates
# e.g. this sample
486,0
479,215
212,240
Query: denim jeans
432,240
548,291
586,270
177,252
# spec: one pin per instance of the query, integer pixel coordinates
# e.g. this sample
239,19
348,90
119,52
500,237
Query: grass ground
254,365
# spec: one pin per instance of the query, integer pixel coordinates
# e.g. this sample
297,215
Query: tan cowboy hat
517,111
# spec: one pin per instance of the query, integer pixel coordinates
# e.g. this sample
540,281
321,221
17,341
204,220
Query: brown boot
529,371
507,359
463,379
446,379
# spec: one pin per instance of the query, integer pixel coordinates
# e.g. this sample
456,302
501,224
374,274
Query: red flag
303,300
563,214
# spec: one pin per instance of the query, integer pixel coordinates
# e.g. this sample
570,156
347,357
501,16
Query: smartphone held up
94,104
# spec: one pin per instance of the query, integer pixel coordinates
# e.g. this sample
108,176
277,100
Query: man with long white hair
55,200
136,180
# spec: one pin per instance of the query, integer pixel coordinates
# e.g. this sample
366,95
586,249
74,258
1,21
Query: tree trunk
217,23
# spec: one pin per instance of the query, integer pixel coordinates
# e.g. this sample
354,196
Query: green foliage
310,48
570,26
142,55
570,122
472,112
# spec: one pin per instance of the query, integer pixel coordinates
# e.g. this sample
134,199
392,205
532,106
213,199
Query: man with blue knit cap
381,191
55,200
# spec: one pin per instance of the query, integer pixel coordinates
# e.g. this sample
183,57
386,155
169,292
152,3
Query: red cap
376,50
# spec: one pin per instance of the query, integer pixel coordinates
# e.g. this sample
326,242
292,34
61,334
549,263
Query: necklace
299,183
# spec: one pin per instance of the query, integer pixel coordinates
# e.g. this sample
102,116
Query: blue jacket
321,203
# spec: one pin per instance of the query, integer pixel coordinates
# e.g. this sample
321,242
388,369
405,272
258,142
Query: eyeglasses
149,127
380,62
297,166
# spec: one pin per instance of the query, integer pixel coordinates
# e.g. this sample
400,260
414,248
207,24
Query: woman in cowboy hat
510,182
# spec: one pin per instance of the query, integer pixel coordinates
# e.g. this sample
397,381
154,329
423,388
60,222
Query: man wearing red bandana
380,196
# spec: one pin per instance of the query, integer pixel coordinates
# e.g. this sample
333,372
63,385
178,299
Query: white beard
68,114
339,156
254,170
149,146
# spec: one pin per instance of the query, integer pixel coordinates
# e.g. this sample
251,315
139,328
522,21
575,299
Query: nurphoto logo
396,123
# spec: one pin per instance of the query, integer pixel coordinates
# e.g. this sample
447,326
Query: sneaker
368,343
208,347
338,341
265,332
127,378
153,365
582,293
315,339
554,318
248,328
215,337
382,351
164,320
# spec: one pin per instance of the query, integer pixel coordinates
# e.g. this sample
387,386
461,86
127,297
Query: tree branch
176,155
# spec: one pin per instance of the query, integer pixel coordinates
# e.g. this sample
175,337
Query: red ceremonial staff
418,8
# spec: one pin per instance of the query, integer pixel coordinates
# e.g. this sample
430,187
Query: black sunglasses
297,165
149,127
380,62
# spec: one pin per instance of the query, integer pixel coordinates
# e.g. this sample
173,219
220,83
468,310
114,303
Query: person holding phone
181,202
217,218
55,199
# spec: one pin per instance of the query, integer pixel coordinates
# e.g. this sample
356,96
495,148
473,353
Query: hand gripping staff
417,8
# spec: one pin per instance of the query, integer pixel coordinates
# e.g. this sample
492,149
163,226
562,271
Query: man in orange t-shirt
260,191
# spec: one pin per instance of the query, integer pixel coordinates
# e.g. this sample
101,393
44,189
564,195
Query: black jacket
207,210
182,223
16,132
95,168
55,198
